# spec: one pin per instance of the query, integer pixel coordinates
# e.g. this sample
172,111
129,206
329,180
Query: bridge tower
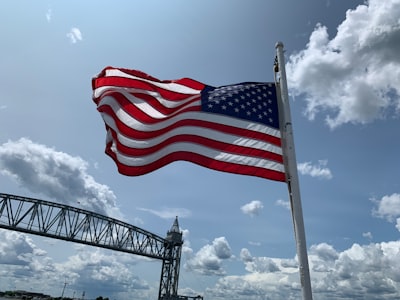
171,264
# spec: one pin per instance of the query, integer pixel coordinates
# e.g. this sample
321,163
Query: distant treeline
30,295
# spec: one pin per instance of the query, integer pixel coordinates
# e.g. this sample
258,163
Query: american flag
151,123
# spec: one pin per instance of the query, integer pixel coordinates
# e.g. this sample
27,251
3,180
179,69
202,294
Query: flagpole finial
278,45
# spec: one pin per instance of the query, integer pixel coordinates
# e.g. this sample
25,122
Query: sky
343,72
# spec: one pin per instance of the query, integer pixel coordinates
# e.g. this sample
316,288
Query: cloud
253,208
96,271
353,77
17,249
57,175
318,171
362,271
20,258
101,270
254,243
245,255
388,207
74,35
258,264
324,252
284,204
168,213
208,260
367,235
49,15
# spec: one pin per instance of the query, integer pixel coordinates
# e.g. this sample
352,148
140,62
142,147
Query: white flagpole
292,176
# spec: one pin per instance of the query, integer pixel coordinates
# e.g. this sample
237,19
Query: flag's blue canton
255,102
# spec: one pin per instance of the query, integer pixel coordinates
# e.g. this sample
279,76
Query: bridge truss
73,224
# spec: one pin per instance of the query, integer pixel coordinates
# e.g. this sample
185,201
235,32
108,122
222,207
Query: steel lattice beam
77,225
73,224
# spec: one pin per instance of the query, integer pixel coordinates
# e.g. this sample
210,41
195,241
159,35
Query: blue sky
343,75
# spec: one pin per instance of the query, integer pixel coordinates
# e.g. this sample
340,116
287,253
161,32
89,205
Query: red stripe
144,135
196,159
194,84
137,113
121,82
225,147
117,82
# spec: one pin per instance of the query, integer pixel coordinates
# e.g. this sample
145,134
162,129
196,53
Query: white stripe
195,131
167,86
202,116
125,91
201,150
143,106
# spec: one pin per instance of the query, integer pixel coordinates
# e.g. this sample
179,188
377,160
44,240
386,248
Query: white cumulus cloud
57,175
253,208
209,259
388,207
17,248
362,271
352,77
320,170
74,35
258,264
284,204
93,270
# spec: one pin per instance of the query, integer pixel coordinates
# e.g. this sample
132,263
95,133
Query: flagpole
292,176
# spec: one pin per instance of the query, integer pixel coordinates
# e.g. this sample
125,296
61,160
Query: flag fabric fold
151,123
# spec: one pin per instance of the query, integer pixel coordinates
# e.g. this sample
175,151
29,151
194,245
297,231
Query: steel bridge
54,220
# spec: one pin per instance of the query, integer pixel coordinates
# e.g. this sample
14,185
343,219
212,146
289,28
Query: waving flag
151,123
